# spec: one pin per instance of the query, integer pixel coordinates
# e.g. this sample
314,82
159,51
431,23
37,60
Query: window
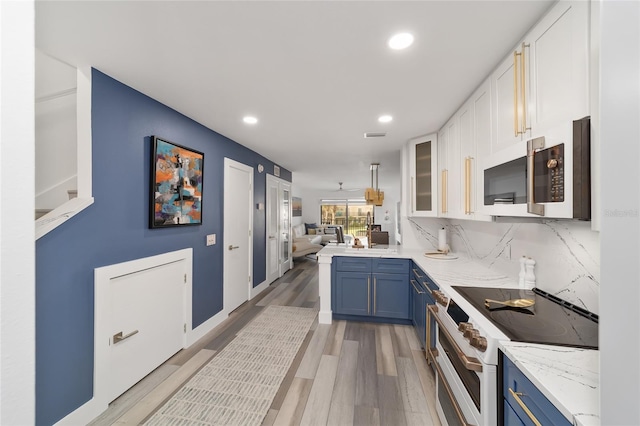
350,214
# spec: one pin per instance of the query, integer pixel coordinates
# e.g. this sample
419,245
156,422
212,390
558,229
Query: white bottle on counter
523,259
529,276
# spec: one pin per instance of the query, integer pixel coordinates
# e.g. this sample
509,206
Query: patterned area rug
238,385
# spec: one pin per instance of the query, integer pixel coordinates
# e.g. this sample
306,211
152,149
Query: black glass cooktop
549,321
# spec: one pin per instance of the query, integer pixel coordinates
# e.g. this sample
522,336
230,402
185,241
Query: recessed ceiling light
385,118
401,41
250,120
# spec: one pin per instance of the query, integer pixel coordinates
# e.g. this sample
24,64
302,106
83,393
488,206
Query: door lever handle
232,247
118,337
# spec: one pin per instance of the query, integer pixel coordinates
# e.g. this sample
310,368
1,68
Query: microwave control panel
549,175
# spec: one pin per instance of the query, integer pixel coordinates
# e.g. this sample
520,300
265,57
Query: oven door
458,380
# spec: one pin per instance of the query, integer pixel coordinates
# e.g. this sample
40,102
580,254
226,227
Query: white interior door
285,227
147,323
273,222
238,226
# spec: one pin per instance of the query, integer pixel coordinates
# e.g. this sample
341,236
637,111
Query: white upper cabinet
559,79
544,82
423,176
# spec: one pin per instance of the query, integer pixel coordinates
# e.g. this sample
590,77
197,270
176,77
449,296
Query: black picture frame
176,185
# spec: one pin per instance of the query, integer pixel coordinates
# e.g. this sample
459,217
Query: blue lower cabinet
510,416
525,400
391,296
357,290
352,293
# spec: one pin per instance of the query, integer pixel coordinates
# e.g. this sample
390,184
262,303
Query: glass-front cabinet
423,181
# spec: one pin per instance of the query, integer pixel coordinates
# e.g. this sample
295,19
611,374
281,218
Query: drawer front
420,276
391,266
352,264
417,273
429,283
529,396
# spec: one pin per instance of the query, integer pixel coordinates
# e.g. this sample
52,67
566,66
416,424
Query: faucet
369,223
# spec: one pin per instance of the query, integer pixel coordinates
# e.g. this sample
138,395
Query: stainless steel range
468,330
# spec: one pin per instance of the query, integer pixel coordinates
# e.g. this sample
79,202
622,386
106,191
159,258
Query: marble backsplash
567,253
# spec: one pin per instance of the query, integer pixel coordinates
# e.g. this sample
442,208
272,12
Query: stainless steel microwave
552,178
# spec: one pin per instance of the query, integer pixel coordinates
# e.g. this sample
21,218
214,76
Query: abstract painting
176,185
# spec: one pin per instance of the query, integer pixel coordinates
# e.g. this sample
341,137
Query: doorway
278,227
238,229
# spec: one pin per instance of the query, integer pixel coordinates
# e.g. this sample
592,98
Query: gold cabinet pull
467,185
516,396
368,295
444,191
118,337
516,123
415,271
522,87
375,294
413,283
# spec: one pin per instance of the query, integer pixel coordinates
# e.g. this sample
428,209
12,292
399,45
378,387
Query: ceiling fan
341,189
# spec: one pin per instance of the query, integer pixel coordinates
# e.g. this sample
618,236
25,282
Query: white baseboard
201,330
259,289
84,414
325,317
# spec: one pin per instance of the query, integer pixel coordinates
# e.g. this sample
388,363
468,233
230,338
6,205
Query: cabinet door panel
391,296
353,292
390,266
510,416
423,176
353,264
503,96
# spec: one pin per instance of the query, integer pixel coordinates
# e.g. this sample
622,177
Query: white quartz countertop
568,377
446,273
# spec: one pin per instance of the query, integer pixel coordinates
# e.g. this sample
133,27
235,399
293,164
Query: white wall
620,200
55,131
17,235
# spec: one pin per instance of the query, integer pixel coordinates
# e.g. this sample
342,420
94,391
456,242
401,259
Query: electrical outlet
211,239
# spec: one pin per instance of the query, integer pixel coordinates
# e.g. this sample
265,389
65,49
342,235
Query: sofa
312,231
303,243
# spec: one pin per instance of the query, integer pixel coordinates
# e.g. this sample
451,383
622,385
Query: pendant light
371,195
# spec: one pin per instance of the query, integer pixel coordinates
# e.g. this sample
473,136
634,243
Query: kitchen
569,250
614,221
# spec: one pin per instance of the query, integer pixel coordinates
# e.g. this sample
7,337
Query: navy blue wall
115,229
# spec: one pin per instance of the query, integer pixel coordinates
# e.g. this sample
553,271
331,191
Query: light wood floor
346,373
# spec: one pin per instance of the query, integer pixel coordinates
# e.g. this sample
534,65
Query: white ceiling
317,74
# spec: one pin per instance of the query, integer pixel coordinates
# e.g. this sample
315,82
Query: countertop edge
560,380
